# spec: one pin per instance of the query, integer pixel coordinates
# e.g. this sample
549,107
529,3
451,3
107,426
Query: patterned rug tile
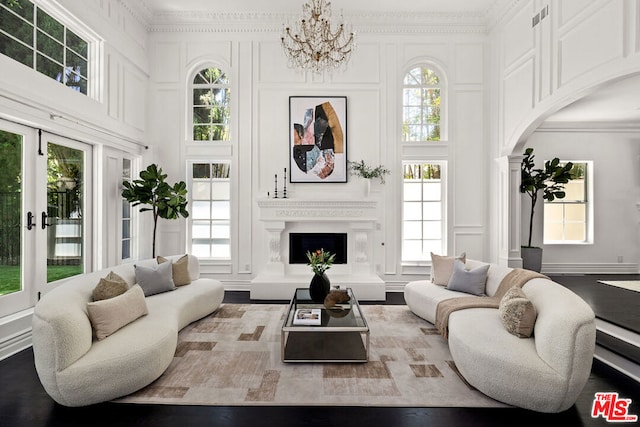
232,357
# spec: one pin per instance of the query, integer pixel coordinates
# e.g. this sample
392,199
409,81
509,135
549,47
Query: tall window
211,210
31,36
423,210
126,213
566,220
211,109
421,105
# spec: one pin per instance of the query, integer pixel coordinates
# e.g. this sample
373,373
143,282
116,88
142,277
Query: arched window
421,105
211,108
424,180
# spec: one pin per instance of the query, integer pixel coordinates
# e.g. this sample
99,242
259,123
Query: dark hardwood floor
612,304
23,402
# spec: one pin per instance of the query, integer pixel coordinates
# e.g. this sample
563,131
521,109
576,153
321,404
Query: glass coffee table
313,333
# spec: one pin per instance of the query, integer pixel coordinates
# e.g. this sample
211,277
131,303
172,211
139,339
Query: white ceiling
430,6
615,104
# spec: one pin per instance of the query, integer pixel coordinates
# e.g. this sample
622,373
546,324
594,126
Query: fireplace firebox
300,243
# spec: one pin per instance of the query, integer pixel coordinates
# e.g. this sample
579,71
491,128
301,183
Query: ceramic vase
319,287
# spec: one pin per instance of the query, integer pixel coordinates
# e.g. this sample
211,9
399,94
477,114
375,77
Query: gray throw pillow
468,281
155,280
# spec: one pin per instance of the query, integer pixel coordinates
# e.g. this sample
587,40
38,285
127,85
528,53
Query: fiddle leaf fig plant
550,181
156,195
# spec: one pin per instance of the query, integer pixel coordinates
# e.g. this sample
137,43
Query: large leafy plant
549,180
157,196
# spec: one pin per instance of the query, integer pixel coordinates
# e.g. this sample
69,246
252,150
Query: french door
45,213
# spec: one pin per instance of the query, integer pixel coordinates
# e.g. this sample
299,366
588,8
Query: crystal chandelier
312,45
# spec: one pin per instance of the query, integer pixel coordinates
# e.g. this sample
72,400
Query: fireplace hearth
346,224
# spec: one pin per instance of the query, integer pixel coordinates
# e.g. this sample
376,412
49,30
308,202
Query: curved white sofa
76,369
545,372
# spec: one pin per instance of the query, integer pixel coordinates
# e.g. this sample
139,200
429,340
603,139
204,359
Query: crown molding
406,22
362,22
139,10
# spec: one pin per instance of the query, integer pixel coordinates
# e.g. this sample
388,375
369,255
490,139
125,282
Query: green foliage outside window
211,105
421,105
55,50
424,171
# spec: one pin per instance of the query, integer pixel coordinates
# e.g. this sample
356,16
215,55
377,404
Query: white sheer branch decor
311,43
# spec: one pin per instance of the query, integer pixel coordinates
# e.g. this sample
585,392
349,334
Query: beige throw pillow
442,267
180,270
517,313
110,286
109,315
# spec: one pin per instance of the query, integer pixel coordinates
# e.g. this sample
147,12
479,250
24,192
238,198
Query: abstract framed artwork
318,138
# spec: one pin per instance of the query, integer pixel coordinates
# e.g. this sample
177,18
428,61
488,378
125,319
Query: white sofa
545,372
76,369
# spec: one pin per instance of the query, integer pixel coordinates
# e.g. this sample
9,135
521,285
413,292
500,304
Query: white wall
113,122
261,86
578,47
616,180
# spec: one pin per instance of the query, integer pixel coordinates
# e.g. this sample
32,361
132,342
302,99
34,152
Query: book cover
307,316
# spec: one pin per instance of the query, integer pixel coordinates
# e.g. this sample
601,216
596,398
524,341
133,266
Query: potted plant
164,200
361,169
550,181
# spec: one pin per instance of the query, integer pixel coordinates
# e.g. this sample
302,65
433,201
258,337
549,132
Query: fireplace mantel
358,218
314,209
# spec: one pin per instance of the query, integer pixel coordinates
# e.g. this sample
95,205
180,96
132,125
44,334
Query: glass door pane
10,213
65,211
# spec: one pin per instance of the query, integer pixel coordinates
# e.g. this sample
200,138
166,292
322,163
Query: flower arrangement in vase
320,261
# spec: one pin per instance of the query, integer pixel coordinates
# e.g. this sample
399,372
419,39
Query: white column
509,211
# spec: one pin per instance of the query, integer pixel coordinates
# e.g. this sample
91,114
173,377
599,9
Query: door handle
44,220
30,222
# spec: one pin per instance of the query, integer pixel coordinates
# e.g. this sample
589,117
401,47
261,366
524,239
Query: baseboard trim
15,344
617,362
590,268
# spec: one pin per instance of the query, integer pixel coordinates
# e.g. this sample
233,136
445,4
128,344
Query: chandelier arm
312,44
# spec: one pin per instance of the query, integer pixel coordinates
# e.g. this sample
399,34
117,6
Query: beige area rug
232,357
632,285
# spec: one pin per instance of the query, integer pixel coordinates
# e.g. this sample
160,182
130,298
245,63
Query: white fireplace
357,218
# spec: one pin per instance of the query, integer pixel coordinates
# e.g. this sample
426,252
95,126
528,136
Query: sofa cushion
469,281
517,313
155,280
180,270
107,316
110,286
442,267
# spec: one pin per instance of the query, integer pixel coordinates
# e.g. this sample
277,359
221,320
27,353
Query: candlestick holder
275,191
285,184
